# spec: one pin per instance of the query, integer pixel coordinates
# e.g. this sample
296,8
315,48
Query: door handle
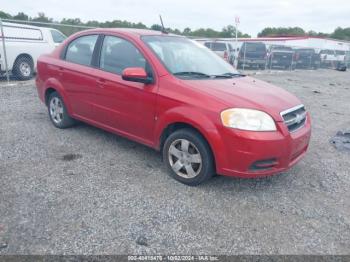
60,71
100,82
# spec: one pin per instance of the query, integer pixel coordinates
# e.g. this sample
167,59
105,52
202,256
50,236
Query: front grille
294,118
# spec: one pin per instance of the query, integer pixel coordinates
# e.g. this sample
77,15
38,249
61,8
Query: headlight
247,119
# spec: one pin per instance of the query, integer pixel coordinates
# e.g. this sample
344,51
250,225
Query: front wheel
188,157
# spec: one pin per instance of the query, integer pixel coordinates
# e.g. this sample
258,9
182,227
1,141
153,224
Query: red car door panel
78,82
128,107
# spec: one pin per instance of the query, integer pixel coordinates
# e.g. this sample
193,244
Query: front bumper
258,154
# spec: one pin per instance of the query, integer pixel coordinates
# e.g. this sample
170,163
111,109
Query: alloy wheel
56,110
184,158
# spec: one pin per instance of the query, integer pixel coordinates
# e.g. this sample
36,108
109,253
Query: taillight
225,55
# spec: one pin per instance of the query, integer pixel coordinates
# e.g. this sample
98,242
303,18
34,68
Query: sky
318,15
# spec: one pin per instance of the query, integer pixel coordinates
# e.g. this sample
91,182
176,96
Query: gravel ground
83,190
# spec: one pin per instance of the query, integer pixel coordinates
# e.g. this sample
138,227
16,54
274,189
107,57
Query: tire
23,68
58,113
187,152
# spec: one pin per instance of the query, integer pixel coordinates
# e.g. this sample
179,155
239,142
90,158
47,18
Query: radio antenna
163,28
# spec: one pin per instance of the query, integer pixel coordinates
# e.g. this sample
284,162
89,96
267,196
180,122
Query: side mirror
136,74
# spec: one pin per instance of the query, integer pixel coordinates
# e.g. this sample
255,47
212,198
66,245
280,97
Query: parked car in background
341,66
328,58
281,56
307,58
222,49
252,54
174,95
340,56
347,58
24,44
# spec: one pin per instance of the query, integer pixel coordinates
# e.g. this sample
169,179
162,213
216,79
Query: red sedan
176,96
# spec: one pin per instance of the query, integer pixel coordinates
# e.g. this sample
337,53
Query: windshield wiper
191,73
228,75
199,74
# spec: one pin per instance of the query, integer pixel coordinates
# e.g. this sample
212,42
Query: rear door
76,75
124,106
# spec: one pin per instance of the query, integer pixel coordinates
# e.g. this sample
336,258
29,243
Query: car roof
132,31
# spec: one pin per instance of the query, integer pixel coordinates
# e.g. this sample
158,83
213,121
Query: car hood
247,92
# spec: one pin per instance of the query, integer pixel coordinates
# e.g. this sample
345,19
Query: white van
328,58
24,44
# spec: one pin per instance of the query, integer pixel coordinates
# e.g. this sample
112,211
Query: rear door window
207,45
80,50
218,47
118,54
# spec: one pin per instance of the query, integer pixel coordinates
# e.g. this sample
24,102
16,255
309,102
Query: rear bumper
248,61
276,62
258,154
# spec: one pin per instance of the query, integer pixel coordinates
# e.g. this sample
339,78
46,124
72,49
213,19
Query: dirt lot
83,190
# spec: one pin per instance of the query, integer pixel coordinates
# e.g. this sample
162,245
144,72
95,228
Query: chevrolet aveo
178,97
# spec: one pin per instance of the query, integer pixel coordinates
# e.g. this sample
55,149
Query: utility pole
5,54
236,49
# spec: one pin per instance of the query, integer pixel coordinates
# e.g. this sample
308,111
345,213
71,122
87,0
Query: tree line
226,32
339,33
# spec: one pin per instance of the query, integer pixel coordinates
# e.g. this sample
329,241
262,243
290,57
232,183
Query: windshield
218,47
338,52
57,36
280,48
254,47
185,57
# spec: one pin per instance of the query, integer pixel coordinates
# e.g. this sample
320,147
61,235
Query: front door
127,107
